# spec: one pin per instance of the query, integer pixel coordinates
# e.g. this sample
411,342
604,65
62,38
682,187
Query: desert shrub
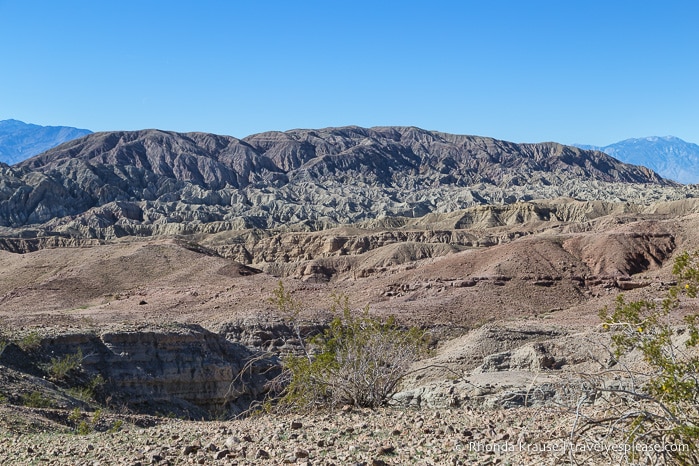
658,405
89,391
59,368
88,425
75,415
36,400
357,360
30,342
82,427
115,427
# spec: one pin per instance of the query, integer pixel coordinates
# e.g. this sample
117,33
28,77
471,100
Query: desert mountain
671,157
20,141
151,182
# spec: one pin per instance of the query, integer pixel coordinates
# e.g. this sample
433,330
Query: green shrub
85,427
81,427
90,391
30,341
36,400
59,368
96,417
116,427
358,360
662,404
75,415
81,393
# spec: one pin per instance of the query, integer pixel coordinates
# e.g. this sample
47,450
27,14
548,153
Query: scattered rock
190,449
295,425
232,442
386,450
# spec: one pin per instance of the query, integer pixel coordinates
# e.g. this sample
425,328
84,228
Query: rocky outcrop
25,245
186,370
496,366
178,369
624,251
171,369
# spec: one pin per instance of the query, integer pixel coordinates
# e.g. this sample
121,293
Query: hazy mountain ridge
669,156
152,182
20,141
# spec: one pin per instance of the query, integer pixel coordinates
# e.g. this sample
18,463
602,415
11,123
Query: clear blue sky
526,71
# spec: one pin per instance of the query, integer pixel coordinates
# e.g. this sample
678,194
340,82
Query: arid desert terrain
154,256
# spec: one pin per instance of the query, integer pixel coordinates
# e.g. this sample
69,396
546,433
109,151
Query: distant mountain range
150,182
19,140
671,157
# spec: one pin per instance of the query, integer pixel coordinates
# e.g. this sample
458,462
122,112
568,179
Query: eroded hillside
460,268
151,182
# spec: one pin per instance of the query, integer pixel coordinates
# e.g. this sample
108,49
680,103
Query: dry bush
357,360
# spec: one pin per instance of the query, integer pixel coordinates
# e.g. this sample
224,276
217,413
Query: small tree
357,360
660,405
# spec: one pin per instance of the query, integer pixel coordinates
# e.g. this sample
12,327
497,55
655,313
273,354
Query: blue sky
526,71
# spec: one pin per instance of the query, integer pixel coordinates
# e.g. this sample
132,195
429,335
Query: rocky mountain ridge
155,182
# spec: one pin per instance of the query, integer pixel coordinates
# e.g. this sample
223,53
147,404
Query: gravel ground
349,437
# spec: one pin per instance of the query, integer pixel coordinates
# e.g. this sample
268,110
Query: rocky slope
154,182
458,420
455,436
20,141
